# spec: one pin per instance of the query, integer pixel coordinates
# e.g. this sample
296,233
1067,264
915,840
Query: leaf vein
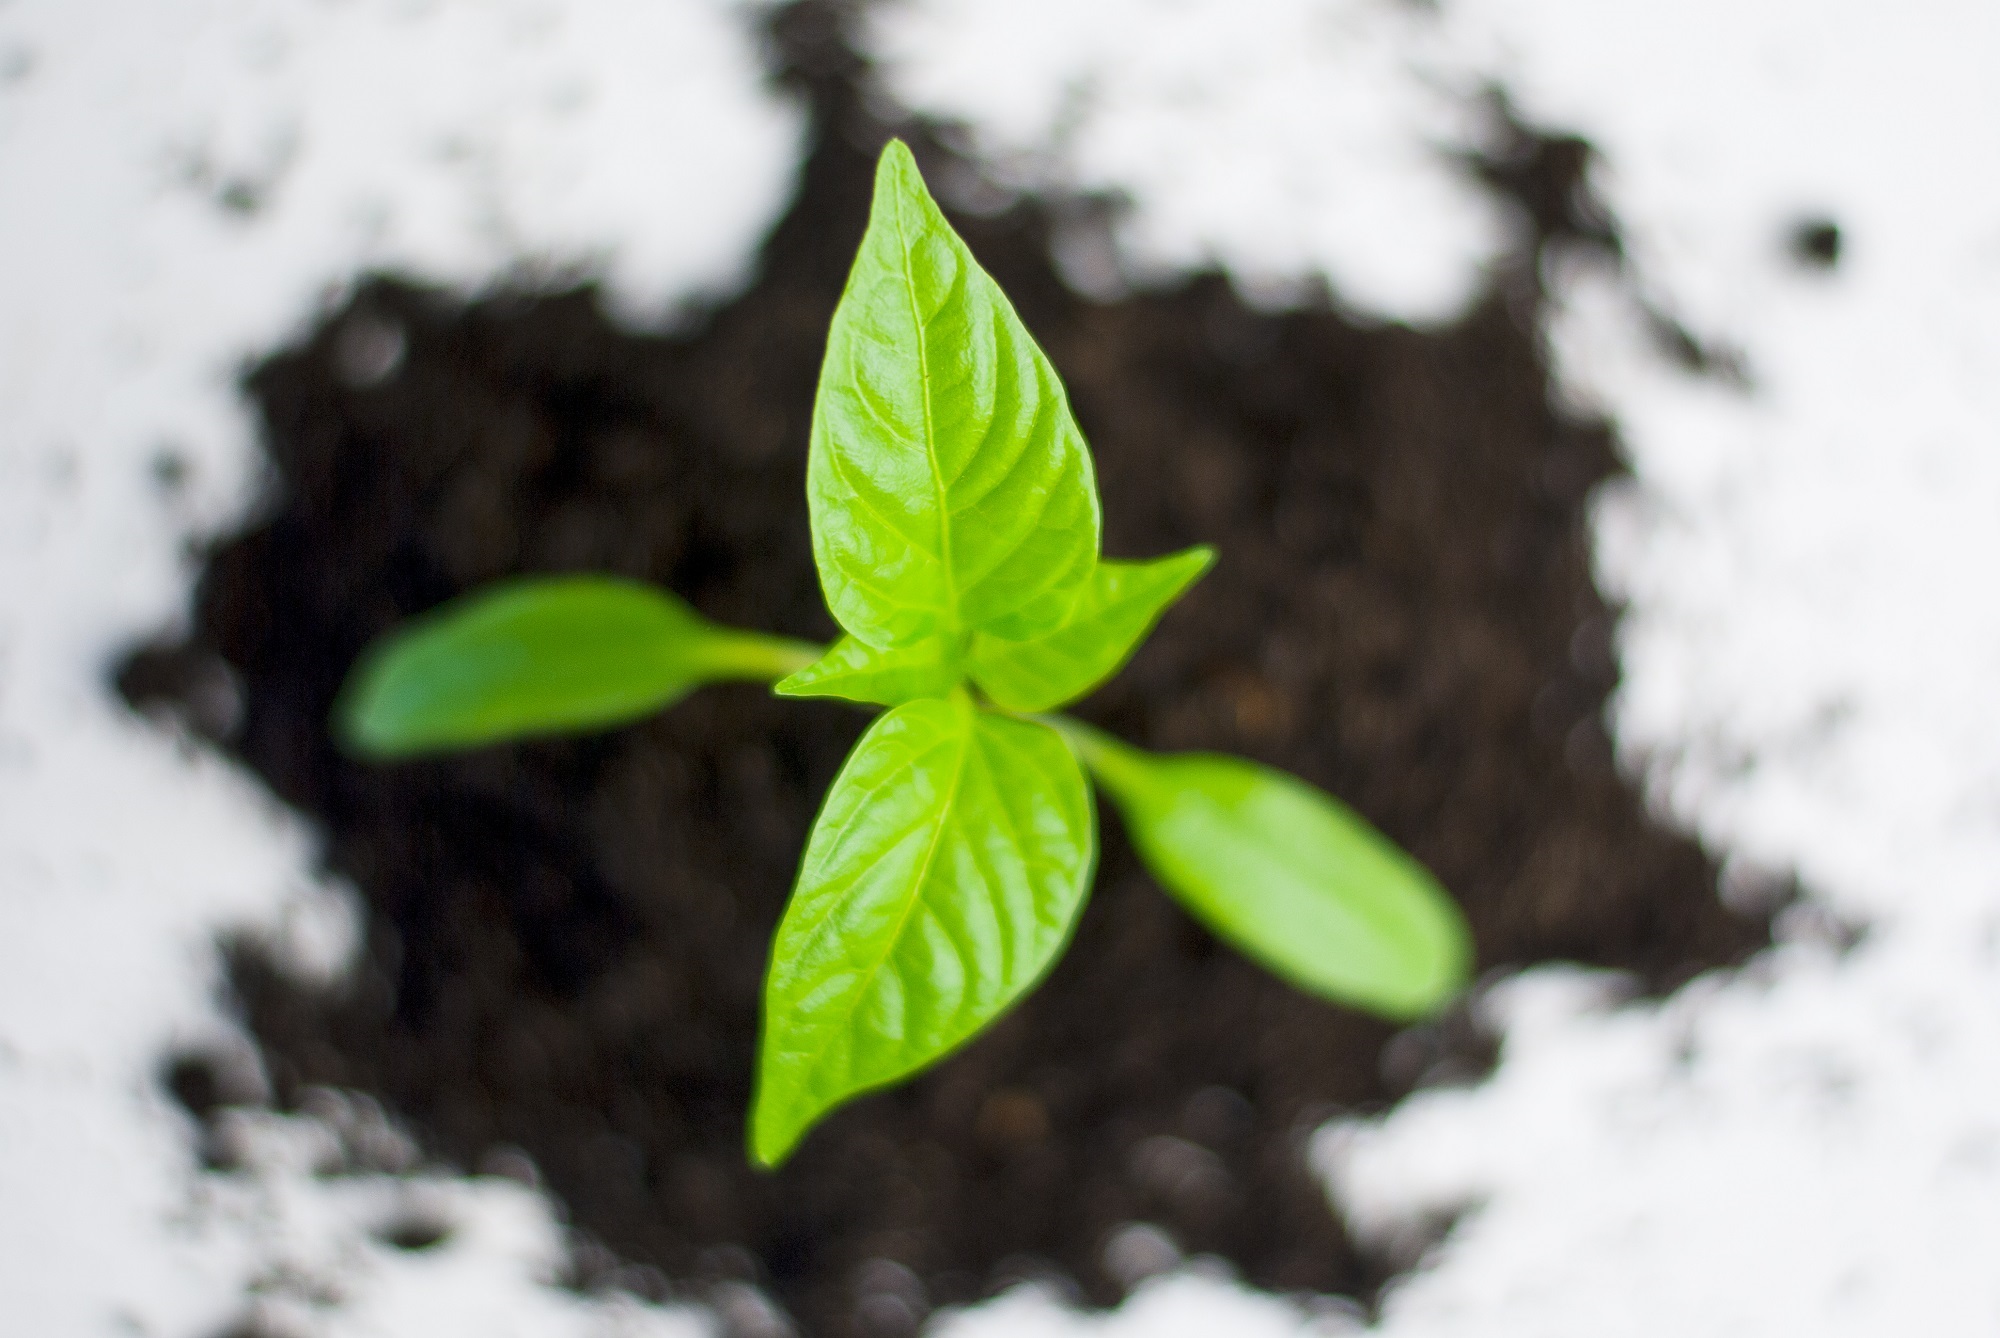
915,898
930,424
840,468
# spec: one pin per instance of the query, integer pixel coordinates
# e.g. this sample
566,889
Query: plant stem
1118,766
757,658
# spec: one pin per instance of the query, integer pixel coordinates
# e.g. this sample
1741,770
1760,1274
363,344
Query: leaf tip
767,1154
1189,566
364,722
775,1131
897,177
1455,964
896,161
359,741
1438,977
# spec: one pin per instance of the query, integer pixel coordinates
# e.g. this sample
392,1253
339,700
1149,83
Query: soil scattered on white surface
1810,1145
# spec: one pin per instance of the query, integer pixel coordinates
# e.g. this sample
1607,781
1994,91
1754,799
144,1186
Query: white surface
457,140
1810,1147
1288,139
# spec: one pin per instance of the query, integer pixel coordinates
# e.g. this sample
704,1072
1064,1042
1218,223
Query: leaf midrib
930,426
915,899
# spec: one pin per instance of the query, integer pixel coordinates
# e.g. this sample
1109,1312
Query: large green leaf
858,672
542,656
1116,609
949,487
942,878
1289,875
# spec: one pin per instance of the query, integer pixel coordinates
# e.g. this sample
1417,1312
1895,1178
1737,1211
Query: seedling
955,527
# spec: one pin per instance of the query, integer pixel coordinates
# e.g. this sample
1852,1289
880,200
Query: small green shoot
955,526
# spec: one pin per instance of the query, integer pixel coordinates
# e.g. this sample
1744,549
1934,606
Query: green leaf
949,487
1116,610
542,656
942,878
859,672
1289,875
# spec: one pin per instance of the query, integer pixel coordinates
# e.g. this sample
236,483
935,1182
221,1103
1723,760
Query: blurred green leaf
542,655
1289,875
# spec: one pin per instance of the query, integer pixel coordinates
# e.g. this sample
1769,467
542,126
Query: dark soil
566,939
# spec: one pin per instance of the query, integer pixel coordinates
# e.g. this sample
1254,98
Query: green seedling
955,526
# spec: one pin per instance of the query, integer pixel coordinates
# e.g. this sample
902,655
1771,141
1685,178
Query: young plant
955,527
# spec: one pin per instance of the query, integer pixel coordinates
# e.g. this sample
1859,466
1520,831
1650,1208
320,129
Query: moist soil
565,940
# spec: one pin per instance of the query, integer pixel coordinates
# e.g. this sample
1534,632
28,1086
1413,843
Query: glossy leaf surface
941,880
1289,875
1112,615
542,656
949,487
858,672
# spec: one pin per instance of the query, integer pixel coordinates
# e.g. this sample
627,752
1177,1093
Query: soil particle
566,939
